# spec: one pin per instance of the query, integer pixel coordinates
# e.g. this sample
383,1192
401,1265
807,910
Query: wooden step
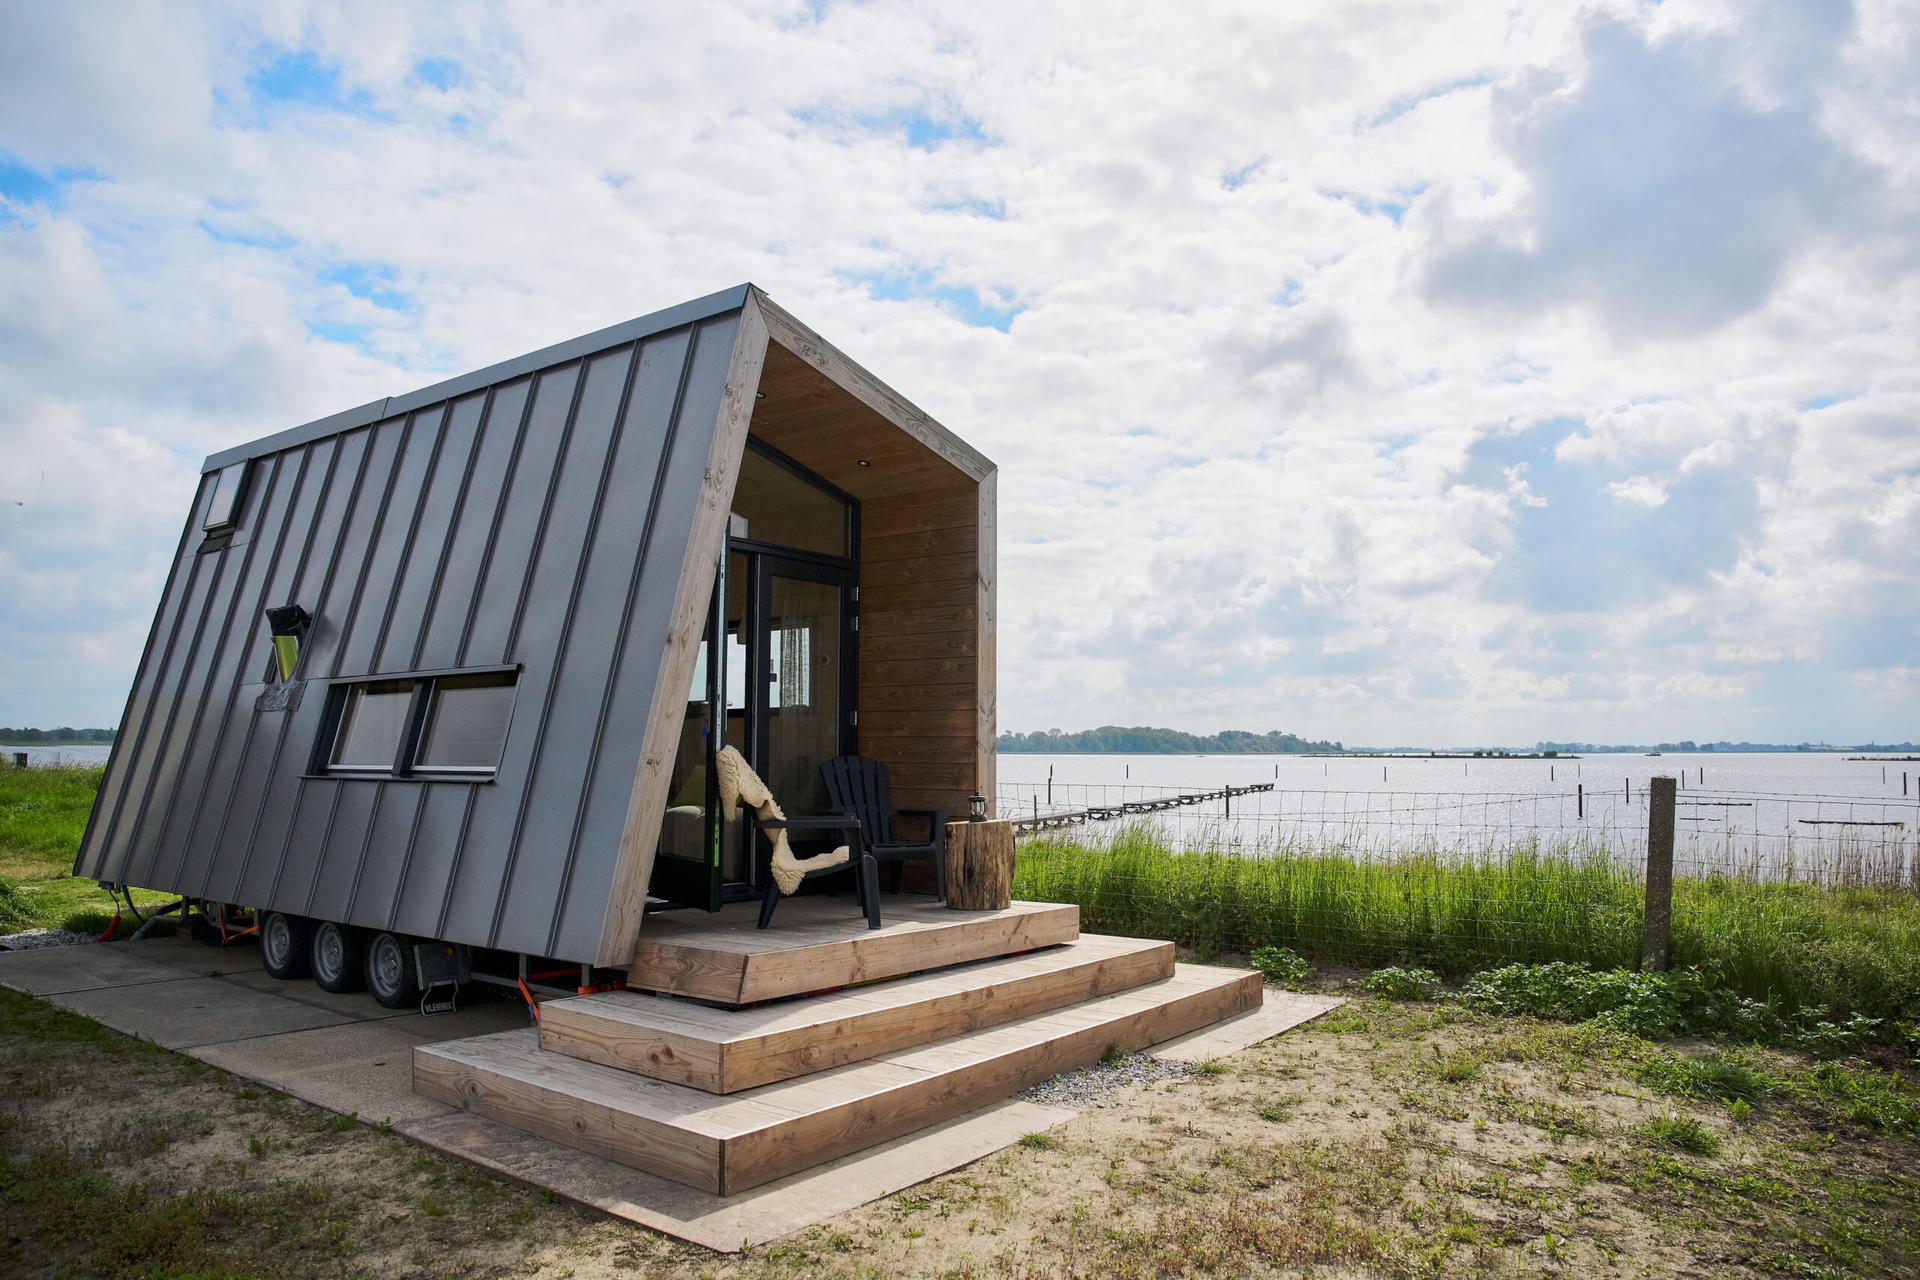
819,942
728,1143
726,1050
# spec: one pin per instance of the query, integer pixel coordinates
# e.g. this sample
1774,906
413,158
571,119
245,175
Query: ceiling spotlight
863,462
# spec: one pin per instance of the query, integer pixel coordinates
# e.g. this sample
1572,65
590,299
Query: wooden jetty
1053,821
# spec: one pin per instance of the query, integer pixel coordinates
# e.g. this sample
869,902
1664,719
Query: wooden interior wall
921,574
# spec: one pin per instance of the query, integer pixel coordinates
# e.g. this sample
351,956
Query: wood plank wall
926,694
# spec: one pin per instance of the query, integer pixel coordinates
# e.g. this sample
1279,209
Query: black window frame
405,766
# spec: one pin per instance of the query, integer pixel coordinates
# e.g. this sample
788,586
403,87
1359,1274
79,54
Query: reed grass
1833,951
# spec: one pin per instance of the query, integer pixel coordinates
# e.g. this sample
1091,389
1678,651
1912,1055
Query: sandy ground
1384,1140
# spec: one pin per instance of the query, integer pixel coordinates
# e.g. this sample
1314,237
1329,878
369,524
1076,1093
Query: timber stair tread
823,942
725,1050
728,1143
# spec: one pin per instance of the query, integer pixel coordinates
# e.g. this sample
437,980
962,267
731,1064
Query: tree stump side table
979,865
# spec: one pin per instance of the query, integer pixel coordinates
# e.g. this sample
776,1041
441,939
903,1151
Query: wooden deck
725,1051
726,1144
818,942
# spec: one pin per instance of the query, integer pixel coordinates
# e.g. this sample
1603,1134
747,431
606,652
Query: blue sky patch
974,207
1234,179
297,77
438,73
962,301
349,335
1402,106
1816,403
371,281
923,129
250,239
26,185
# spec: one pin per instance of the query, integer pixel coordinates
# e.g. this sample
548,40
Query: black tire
390,971
285,945
335,958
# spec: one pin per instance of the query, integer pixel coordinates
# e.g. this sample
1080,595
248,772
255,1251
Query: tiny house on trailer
454,665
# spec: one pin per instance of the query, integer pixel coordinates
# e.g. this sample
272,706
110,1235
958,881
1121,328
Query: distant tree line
1143,740
65,733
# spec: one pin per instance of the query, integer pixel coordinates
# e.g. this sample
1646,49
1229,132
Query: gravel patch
35,939
1090,1084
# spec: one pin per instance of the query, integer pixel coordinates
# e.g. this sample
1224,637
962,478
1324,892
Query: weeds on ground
1402,982
1281,966
1682,1133
1659,1006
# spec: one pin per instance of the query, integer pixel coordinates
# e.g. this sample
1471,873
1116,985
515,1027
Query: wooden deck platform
728,1143
819,942
727,1050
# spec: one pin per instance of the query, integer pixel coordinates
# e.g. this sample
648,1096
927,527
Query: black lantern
977,807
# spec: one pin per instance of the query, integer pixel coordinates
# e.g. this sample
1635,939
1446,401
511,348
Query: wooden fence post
1656,945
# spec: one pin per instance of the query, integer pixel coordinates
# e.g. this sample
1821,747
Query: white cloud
1368,442
1640,491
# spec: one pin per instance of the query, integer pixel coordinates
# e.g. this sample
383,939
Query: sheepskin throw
738,782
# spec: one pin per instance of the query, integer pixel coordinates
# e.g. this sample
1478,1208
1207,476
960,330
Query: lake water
1787,814
95,753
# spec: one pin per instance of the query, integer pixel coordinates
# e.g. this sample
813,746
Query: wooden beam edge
646,803
986,690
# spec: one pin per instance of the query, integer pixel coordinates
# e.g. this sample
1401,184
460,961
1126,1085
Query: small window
467,723
224,511
373,724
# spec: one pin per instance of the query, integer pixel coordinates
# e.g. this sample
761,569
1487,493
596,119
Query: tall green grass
43,814
1800,946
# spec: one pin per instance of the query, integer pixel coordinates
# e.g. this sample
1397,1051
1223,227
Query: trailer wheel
284,944
390,976
335,958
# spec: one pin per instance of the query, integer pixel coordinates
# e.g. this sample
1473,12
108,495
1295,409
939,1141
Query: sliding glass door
777,685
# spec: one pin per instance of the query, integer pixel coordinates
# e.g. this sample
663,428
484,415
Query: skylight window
228,488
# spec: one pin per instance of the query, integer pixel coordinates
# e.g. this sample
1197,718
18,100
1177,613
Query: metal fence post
1656,944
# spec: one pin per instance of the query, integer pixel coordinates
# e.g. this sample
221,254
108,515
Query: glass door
804,630
777,687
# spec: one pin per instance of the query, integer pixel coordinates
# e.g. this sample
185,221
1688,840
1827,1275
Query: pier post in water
1656,943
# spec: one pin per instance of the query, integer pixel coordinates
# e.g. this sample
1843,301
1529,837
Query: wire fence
1809,898
1826,840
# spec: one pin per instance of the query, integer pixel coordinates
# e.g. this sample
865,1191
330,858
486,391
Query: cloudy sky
1395,373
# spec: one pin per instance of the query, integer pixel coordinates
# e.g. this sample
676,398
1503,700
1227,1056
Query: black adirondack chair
858,786
866,875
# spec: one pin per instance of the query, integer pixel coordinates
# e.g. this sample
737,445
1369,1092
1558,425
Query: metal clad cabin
453,664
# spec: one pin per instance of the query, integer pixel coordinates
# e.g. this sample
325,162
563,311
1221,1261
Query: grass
43,815
1837,952
1682,1133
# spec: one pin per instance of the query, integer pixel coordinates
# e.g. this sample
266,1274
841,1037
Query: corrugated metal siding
539,519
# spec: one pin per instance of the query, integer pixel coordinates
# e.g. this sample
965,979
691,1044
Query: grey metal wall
536,513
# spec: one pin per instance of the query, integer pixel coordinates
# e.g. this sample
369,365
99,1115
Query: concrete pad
362,1068
1280,1011
52,970
353,1004
194,1011
196,958
728,1224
